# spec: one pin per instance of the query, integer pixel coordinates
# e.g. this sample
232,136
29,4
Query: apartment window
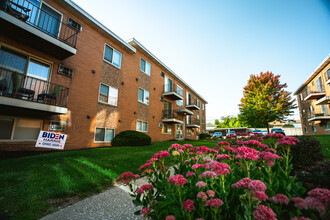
319,84
303,113
203,106
167,129
327,126
104,134
179,90
188,132
179,103
112,56
203,120
143,96
327,74
306,129
300,97
311,110
108,95
313,128
307,91
188,98
19,128
197,102
324,109
197,118
142,126
188,119
145,67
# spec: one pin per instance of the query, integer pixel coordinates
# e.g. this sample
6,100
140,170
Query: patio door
179,131
167,109
168,84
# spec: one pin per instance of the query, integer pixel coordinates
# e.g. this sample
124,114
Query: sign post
51,140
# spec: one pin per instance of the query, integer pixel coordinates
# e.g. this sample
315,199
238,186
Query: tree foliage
265,100
231,122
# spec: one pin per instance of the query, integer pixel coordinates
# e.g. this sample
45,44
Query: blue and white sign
52,140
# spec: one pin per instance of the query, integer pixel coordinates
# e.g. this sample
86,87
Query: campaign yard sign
52,140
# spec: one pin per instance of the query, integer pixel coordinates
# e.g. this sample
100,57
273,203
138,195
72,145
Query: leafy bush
232,181
203,136
131,138
306,152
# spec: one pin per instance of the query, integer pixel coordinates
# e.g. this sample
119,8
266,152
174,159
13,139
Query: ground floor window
104,134
189,132
19,128
327,126
142,126
313,128
306,129
167,129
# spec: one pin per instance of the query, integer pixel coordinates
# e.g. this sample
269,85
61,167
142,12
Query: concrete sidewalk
113,204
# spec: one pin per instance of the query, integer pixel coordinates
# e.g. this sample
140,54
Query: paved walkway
113,204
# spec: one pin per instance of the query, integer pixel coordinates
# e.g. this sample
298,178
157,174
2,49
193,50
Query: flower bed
243,179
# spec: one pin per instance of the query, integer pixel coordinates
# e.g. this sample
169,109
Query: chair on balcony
9,7
18,89
24,93
3,86
50,98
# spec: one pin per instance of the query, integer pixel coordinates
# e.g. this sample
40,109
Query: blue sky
215,45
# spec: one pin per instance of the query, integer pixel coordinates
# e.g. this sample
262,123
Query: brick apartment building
314,101
61,70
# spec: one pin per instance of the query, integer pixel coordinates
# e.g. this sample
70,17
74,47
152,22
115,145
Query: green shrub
131,138
306,152
203,136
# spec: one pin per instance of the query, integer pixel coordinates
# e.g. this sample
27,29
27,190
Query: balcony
318,115
314,92
184,111
171,91
38,26
171,117
193,104
25,92
193,123
323,101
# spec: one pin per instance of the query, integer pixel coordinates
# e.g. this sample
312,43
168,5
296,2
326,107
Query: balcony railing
169,114
20,86
193,121
193,104
314,89
173,88
41,19
318,114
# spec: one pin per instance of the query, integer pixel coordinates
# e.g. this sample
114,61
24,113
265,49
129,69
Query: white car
217,134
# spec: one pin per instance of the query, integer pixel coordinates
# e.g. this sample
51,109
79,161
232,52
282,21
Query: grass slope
325,143
29,185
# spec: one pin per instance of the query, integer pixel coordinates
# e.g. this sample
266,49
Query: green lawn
30,185
325,143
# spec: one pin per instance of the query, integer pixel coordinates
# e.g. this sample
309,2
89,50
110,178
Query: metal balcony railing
318,113
173,88
314,89
42,19
169,114
193,121
193,101
20,86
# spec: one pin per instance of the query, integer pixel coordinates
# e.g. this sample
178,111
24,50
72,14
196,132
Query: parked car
217,134
278,130
230,133
264,132
256,132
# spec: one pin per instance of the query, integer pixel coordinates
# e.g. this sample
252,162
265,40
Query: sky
215,46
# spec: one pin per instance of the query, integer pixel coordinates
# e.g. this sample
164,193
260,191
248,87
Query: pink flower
223,143
216,165
153,202
273,135
180,151
202,195
170,217
263,212
270,163
127,181
257,185
260,195
222,172
243,183
177,180
146,165
187,146
223,157
148,171
206,174
201,184
125,176
211,193
143,188
214,203
145,211
268,156
189,174
279,198
152,160
299,202
188,205
174,146
300,218
161,154
321,194
314,203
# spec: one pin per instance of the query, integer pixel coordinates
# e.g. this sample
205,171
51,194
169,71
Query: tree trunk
268,128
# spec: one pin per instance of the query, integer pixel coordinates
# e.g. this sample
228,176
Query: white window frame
143,101
327,126
121,56
105,128
14,126
178,101
300,97
142,126
108,103
145,67
165,125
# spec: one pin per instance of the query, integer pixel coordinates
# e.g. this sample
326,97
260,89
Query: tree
216,122
231,122
265,100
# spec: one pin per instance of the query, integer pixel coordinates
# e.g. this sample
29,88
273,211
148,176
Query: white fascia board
315,71
99,24
162,64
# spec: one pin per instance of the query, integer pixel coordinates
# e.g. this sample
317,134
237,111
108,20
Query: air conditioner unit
161,125
162,74
63,70
74,24
57,125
